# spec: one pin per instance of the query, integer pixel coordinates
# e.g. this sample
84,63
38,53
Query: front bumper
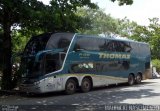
30,88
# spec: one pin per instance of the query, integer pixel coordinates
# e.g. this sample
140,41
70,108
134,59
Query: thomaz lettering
114,56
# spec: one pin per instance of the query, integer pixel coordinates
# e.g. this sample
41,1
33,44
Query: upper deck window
101,44
37,43
59,41
120,46
89,43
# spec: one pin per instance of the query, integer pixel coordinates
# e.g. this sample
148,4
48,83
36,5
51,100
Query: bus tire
70,87
131,79
86,85
138,78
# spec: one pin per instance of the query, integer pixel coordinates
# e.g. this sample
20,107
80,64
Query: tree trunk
7,66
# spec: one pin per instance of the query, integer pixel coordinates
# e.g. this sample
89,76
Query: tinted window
36,44
91,44
101,44
135,48
52,63
109,45
144,49
92,67
115,65
117,46
122,46
63,43
59,40
82,68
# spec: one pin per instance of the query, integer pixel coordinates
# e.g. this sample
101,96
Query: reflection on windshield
52,63
36,44
45,54
59,41
47,64
32,69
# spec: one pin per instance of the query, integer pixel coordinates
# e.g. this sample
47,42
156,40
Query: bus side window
51,63
63,43
127,47
82,68
90,44
76,47
110,46
102,44
80,44
122,47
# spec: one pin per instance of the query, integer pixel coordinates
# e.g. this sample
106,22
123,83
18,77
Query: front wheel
131,79
70,87
138,78
86,85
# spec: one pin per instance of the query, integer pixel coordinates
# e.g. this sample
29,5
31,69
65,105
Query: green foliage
126,27
154,29
149,34
95,21
122,2
141,33
156,63
33,17
63,14
19,41
23,13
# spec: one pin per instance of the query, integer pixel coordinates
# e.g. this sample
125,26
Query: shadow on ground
99,96
55,94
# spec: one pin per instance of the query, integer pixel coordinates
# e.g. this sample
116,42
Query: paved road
147,93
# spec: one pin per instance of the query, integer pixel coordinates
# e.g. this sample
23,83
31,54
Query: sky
140,11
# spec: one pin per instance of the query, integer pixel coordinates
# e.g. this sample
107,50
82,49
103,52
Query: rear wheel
138,78
86,85
131,79
70,87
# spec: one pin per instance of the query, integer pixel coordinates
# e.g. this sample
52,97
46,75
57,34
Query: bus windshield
30,68
45,54
59,41
36,44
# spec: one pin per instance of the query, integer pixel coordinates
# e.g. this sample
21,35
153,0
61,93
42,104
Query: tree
149,34
30,16
126,27
154,31
122,2
12,14
141,33
97,22
64,13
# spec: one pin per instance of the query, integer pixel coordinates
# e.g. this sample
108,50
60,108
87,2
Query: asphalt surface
116,98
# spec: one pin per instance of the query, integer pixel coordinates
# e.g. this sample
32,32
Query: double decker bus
67,62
